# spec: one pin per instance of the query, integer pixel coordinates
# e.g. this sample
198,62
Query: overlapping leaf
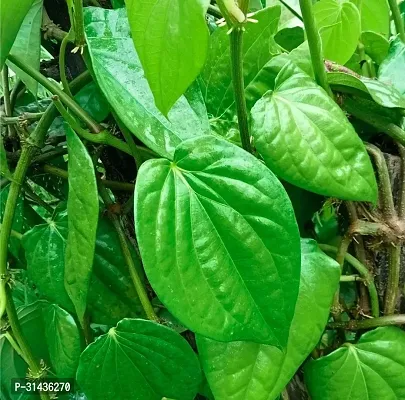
140,360
219,241
392,68
305,138
372,369
246,370
121,78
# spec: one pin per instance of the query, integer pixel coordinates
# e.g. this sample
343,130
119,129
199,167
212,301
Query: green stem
383,124
30,193
56,90
353,325
291,10
140,290
397,17
394,270
350,278
6,98
113,185
22,119
78,23
363,272
401,206
15,346
214,11
62,64
315,47
14,234
366,67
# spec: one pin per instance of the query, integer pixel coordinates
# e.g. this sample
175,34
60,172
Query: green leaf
339,28
111,294
290,38
392,68
171,39
259,47
82,210
375,16
198,233
305,138
121,78
93,101
384,95
246,370
4,170
12,15
27,45
139,360
375,45
372,369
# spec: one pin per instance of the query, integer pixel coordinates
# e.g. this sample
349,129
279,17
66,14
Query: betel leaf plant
202,199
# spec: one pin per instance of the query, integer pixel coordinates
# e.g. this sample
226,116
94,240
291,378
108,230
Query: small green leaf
245,370
176,32
12,15
198,233
82,210
391,70
372,369
122,80
305,138
339,27
375,16
290,38
27,45
139,360
93,101
375,45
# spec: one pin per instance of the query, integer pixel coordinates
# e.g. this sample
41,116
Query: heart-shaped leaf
246,370
177,33
121,78
375,16
139,360
305,138
372,369
375,45
339,27
219,241
82,209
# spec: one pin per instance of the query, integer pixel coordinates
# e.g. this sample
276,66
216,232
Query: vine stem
56,90
140,289
7,100
363,272
62,64
397,17
78,23
353,325
315,47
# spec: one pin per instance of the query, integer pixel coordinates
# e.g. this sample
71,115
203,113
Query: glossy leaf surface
171,39
306,139
391,70
246,370
339,28
121,78
82,208
219,241
12,14
372,369
138,360
111,294
27,45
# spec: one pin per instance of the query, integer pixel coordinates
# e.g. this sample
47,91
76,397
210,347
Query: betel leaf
171,39
372,369
219,241
140,360
339,27
259,47
82,207
27,45
246,370
121,78
305,138
375,16
111,294
93,101
384,95
391,70
376,46
12,15
290,38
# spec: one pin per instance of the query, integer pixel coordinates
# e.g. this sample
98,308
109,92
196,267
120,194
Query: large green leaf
246,370
82,207
12,15
259,47
372,369
139,360
27,45
171,39
219,241
375,16
391,70
121,78
339,26
111,295
305,138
